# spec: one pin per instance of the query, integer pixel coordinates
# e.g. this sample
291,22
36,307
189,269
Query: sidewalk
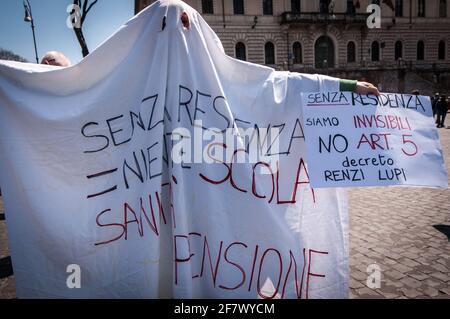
406,231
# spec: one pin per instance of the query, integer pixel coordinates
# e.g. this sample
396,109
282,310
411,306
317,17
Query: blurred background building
409,51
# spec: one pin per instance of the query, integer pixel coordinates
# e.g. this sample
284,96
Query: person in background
441,111
448,106
434,101
331,7
55,58
415,92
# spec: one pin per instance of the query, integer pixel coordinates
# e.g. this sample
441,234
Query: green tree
78,15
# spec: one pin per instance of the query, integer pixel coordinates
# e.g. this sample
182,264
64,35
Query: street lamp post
29,18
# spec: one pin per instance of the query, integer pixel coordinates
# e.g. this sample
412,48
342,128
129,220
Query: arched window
399,8
324,6
238,6
267,7
297,52
240,51
420,50
443,8
351,9
441,50
295,6
269,53
207,6
398,50
324,53
375,51
421,8
351,52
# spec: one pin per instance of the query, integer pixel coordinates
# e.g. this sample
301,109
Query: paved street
405,231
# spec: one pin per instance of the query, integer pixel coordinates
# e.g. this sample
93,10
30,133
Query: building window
375,51
351,52
420,51
240,51
295,6
297,52
207,7
269,53
441,50
421,8
267,7
443,8
238,6
324,4
399,8
351,7
398,50
324,53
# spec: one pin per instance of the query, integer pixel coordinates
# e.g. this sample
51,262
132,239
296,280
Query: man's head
55,58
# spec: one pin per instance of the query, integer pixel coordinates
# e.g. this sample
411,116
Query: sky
51,30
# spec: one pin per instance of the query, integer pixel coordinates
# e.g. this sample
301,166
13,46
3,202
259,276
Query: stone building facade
410,50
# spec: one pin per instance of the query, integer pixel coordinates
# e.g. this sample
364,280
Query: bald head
55,58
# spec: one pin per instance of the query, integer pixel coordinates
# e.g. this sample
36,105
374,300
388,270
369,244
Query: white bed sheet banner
87,180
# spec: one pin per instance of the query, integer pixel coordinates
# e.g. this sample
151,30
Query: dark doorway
324,53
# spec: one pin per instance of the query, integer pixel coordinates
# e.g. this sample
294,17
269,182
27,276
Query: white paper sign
359,140
89,182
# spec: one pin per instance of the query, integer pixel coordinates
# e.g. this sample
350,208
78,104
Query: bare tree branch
85,3
89,8
85,7
83,10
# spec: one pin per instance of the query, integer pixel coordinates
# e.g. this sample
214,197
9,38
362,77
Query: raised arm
358,87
